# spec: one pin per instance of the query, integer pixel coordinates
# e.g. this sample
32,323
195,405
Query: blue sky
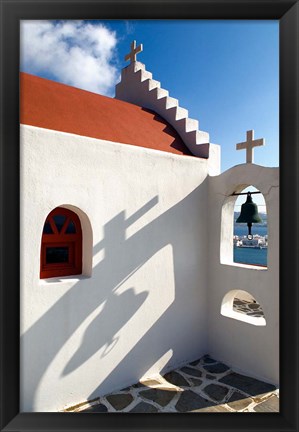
224,72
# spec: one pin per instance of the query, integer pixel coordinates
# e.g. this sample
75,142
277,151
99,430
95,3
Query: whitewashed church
127,243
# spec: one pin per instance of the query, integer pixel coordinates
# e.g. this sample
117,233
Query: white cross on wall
132,55
249,144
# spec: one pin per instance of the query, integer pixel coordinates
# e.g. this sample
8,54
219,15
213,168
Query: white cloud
77,53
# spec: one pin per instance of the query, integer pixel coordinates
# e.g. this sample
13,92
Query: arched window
61,248
253,251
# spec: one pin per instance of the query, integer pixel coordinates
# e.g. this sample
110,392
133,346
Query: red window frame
61,239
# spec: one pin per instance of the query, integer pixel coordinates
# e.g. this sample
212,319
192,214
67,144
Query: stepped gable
51,105
138,86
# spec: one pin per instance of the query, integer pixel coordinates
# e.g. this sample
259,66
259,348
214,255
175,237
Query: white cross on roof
134,51
249,144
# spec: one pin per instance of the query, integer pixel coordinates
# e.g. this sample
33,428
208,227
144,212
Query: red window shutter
61,246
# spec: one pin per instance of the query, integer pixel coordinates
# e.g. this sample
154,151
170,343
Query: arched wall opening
80,246
242,306
251,251
235,247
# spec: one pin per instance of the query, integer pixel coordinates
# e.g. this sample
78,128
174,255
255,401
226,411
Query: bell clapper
249,235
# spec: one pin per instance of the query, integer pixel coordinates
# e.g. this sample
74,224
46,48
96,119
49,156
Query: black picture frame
12,11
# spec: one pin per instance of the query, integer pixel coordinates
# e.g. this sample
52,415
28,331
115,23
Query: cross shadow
123,256
123,306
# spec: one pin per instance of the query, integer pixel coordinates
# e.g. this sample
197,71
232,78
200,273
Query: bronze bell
249,214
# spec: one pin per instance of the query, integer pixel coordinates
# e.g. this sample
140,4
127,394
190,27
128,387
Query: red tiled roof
51,105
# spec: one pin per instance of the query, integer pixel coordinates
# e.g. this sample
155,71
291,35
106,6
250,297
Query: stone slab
120,401
208,359
254,306
247,384
196,381
216,408
99,408
238,401
216,368
216,391
270,405
191,371
191,402
176,379
161,397
144,407
211,377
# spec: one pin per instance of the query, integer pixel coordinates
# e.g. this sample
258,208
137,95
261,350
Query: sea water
250,255
242,230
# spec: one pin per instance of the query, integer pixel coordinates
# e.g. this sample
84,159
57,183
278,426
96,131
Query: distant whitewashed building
127,244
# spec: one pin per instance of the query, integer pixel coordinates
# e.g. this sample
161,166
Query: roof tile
51,105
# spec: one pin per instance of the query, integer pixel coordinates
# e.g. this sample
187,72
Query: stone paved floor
249,308
205,385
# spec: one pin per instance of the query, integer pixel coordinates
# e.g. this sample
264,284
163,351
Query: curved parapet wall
250,346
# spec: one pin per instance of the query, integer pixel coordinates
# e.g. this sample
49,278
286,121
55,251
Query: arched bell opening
242,306
250,232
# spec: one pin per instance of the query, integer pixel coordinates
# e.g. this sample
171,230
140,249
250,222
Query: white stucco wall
140,306
251,349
